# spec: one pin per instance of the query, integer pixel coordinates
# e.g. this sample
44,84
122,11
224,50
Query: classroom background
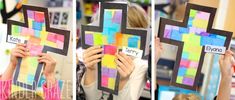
210,74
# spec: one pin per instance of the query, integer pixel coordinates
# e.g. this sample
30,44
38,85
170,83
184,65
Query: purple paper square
200,30
167,33
30,14
188,81
192,30
204,34
117,18
112,73
105,71
89,39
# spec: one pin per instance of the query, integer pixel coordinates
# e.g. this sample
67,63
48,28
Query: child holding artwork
132,71
226,63
50,88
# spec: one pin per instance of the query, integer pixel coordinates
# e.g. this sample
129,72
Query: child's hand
19,51
158,49
125,65
92,56
226,64
49,68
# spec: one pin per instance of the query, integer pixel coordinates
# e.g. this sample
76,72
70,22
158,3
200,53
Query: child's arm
125,68
91,57
51,88
6,79
226,62
19,51
158,49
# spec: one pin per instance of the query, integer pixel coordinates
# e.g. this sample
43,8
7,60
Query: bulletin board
112,35
40,38
191,36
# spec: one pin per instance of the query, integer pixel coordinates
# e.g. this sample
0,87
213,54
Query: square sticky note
30,14
109,49
182,71
167,33
37,25
51,37
109,61
119,38
89,39
188,81
98,39
179,79
104,81
192,13
191,72
175,34
112,73
39,16
15,30
133,41
111,83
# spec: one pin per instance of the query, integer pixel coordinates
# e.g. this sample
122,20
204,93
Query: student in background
132,71
226,63
50,88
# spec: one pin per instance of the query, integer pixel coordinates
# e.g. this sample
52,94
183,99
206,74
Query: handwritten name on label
13,39
214,49
132,52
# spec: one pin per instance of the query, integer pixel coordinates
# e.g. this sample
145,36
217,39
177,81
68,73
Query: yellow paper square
109,61
111,83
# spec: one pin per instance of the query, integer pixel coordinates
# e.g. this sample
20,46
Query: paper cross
112,35
40,38
191,36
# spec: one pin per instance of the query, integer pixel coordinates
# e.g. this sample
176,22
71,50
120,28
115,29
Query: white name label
132,52
15,40
215,49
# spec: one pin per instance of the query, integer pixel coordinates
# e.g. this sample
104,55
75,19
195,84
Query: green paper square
192,13
98,39
179,79
194,56
15,30
1,5
191,72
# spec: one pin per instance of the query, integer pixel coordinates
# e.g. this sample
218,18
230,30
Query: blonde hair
24,95
136,16
186,97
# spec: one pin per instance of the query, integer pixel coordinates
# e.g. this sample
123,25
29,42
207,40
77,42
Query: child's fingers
19,55
121,65
221,59
92,48
121,72
43,61
22,48
20,52
20,44
92,52
97,56
93,62
128,59
123,60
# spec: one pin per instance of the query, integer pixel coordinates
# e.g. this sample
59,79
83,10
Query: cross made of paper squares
112,35
40,38
191,36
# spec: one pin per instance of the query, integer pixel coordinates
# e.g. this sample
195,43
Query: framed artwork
191,36
60,17
113,36
40,38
